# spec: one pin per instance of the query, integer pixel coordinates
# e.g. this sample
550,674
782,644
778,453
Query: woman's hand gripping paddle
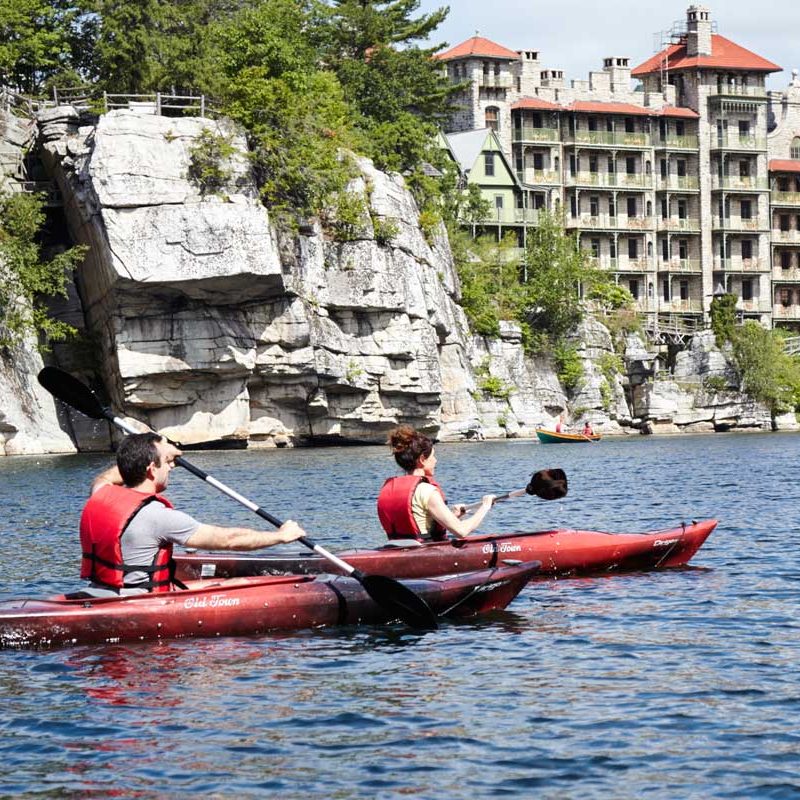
549,484
395,598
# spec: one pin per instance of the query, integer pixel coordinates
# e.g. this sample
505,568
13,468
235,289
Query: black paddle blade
399,601
71,391
549,484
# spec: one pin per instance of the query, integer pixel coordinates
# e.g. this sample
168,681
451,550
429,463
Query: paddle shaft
249,504
500,498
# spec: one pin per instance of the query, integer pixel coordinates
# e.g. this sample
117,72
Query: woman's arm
447,519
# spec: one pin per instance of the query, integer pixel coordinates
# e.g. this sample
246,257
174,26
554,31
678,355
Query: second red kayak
243,606
561,552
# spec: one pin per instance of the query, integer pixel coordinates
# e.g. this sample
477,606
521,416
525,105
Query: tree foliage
723,317
27,275
768,374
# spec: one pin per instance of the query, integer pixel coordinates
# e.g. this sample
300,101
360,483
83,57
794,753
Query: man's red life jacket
394,509
103,522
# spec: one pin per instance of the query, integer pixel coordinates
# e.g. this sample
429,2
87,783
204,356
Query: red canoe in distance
243,607
561,552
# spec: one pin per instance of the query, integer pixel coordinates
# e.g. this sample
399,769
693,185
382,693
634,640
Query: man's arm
214,537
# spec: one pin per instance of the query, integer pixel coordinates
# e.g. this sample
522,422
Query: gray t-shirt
153,525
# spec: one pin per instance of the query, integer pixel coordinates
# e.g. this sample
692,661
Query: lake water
677,684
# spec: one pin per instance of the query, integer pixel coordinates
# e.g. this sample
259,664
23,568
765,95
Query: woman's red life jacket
394,509
103,522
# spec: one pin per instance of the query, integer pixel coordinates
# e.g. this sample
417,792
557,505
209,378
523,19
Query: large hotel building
684,185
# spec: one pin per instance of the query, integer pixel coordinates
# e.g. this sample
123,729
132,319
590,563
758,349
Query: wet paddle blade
399,601
549,484
71,391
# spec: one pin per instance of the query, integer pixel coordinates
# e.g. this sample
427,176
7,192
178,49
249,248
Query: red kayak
562,552
243,607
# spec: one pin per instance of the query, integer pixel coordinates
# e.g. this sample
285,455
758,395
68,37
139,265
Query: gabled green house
481,162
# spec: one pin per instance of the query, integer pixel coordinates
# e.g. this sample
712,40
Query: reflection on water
672,684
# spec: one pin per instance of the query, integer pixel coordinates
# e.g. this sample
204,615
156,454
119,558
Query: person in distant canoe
412,506
128,528
559,424
587,429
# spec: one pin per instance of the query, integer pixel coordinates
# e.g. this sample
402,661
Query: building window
794,152
612,167
747,289
595,246
681,167
783,184
631,206
665,250
747,249
744,169
664,168
573,206
683,249
744,129
573,164
633,249
630,165
629,125
786,259
488,165
492,117
664,209
746,209
682,209
612,209
665,289
593,164
612,249
633,287
538,161
785,296
785,222
592,123
684,289
594,206
680,127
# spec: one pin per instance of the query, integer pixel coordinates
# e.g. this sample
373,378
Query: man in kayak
128,529
412,506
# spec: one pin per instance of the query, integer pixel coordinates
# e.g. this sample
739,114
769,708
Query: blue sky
576,35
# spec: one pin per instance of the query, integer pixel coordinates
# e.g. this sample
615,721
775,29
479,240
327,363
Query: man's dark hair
134,456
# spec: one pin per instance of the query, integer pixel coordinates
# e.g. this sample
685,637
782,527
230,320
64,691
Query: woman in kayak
412,506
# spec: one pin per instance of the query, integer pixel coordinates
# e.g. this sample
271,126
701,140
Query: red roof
590,107
674,111
536,104
725,54
784,165
477,46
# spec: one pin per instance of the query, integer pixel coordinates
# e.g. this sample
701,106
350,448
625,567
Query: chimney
698,31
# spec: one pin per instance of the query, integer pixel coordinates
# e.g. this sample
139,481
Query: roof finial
477,32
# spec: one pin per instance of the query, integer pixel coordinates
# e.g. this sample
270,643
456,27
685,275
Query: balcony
780,311
781,275
540,177
738,183
635,180
791,236
734,142
740,265
495,81
681,306
686,266
609,138
738,224
689,225
678,183
639,265
605,222
527,133
511,216
785,198
677,143
755,306
735,90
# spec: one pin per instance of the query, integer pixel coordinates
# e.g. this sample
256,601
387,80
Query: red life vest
103,521
394,509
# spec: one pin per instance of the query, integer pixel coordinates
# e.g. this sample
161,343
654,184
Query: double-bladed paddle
549,484
388,593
